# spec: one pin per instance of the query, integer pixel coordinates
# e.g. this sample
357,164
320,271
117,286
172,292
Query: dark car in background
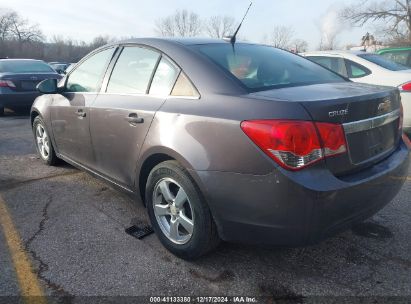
69,67
18,81
240,142
59,67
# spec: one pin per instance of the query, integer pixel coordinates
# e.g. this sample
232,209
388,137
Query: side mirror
48,86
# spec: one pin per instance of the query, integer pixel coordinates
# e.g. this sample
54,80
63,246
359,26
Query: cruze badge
338,113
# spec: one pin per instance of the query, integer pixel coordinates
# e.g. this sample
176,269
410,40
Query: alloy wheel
173,211
42,140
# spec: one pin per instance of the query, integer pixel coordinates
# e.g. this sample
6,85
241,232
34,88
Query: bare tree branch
396,15
219,26
281,37
299,46
182,23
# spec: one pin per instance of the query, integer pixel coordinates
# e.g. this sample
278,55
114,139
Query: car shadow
17,113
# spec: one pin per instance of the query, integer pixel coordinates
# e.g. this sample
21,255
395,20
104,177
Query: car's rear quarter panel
207,133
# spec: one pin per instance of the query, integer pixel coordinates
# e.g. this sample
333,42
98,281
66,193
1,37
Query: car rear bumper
18,99
298,208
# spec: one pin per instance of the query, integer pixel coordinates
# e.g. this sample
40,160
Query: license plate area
28,85
370,138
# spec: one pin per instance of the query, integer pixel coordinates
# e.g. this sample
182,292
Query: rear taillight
406,86
296,144
7,84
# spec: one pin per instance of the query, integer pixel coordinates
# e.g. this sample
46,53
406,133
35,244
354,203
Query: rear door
70,109
140,81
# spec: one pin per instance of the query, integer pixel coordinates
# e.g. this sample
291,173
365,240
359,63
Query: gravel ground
72,227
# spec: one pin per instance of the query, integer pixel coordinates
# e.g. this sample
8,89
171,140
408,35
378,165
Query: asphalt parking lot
71,227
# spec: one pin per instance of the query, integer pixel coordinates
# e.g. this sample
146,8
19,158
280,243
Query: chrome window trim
370,123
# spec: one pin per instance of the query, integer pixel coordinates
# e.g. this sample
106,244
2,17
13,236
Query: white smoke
331,25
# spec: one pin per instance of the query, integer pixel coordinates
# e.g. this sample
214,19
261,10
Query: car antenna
232,39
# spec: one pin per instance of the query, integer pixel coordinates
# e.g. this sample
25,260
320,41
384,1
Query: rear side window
24,66
356,70
184,87
335,64
260,67
88,75
133,71
164,78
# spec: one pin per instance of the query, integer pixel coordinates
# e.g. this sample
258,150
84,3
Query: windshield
24,66
383,62
261,67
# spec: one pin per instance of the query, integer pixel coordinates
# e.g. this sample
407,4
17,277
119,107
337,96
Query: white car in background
369,68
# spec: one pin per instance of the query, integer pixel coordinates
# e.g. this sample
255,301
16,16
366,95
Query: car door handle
134,119
81,113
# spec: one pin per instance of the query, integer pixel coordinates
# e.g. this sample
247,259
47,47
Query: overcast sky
85,19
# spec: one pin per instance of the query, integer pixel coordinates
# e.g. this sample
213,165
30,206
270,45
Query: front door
69,112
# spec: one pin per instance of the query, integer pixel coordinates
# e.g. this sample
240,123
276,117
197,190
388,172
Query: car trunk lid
369,115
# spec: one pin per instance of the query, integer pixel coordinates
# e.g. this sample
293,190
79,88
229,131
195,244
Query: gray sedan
233,141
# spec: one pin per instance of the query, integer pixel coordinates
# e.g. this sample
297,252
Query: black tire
51,159
204,237
1,111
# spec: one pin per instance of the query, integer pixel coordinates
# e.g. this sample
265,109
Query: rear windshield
383,62
261,67
24,66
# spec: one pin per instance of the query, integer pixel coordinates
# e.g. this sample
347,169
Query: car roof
334,52
173,40
20,59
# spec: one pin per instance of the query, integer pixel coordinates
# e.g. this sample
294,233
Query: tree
281,37
394,14
16,32
328,41
182,24
12,26
299,46
23,31
100,41
220,26
5,24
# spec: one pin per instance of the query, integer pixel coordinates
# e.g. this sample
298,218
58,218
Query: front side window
133,71
260,67
164,78
88,75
